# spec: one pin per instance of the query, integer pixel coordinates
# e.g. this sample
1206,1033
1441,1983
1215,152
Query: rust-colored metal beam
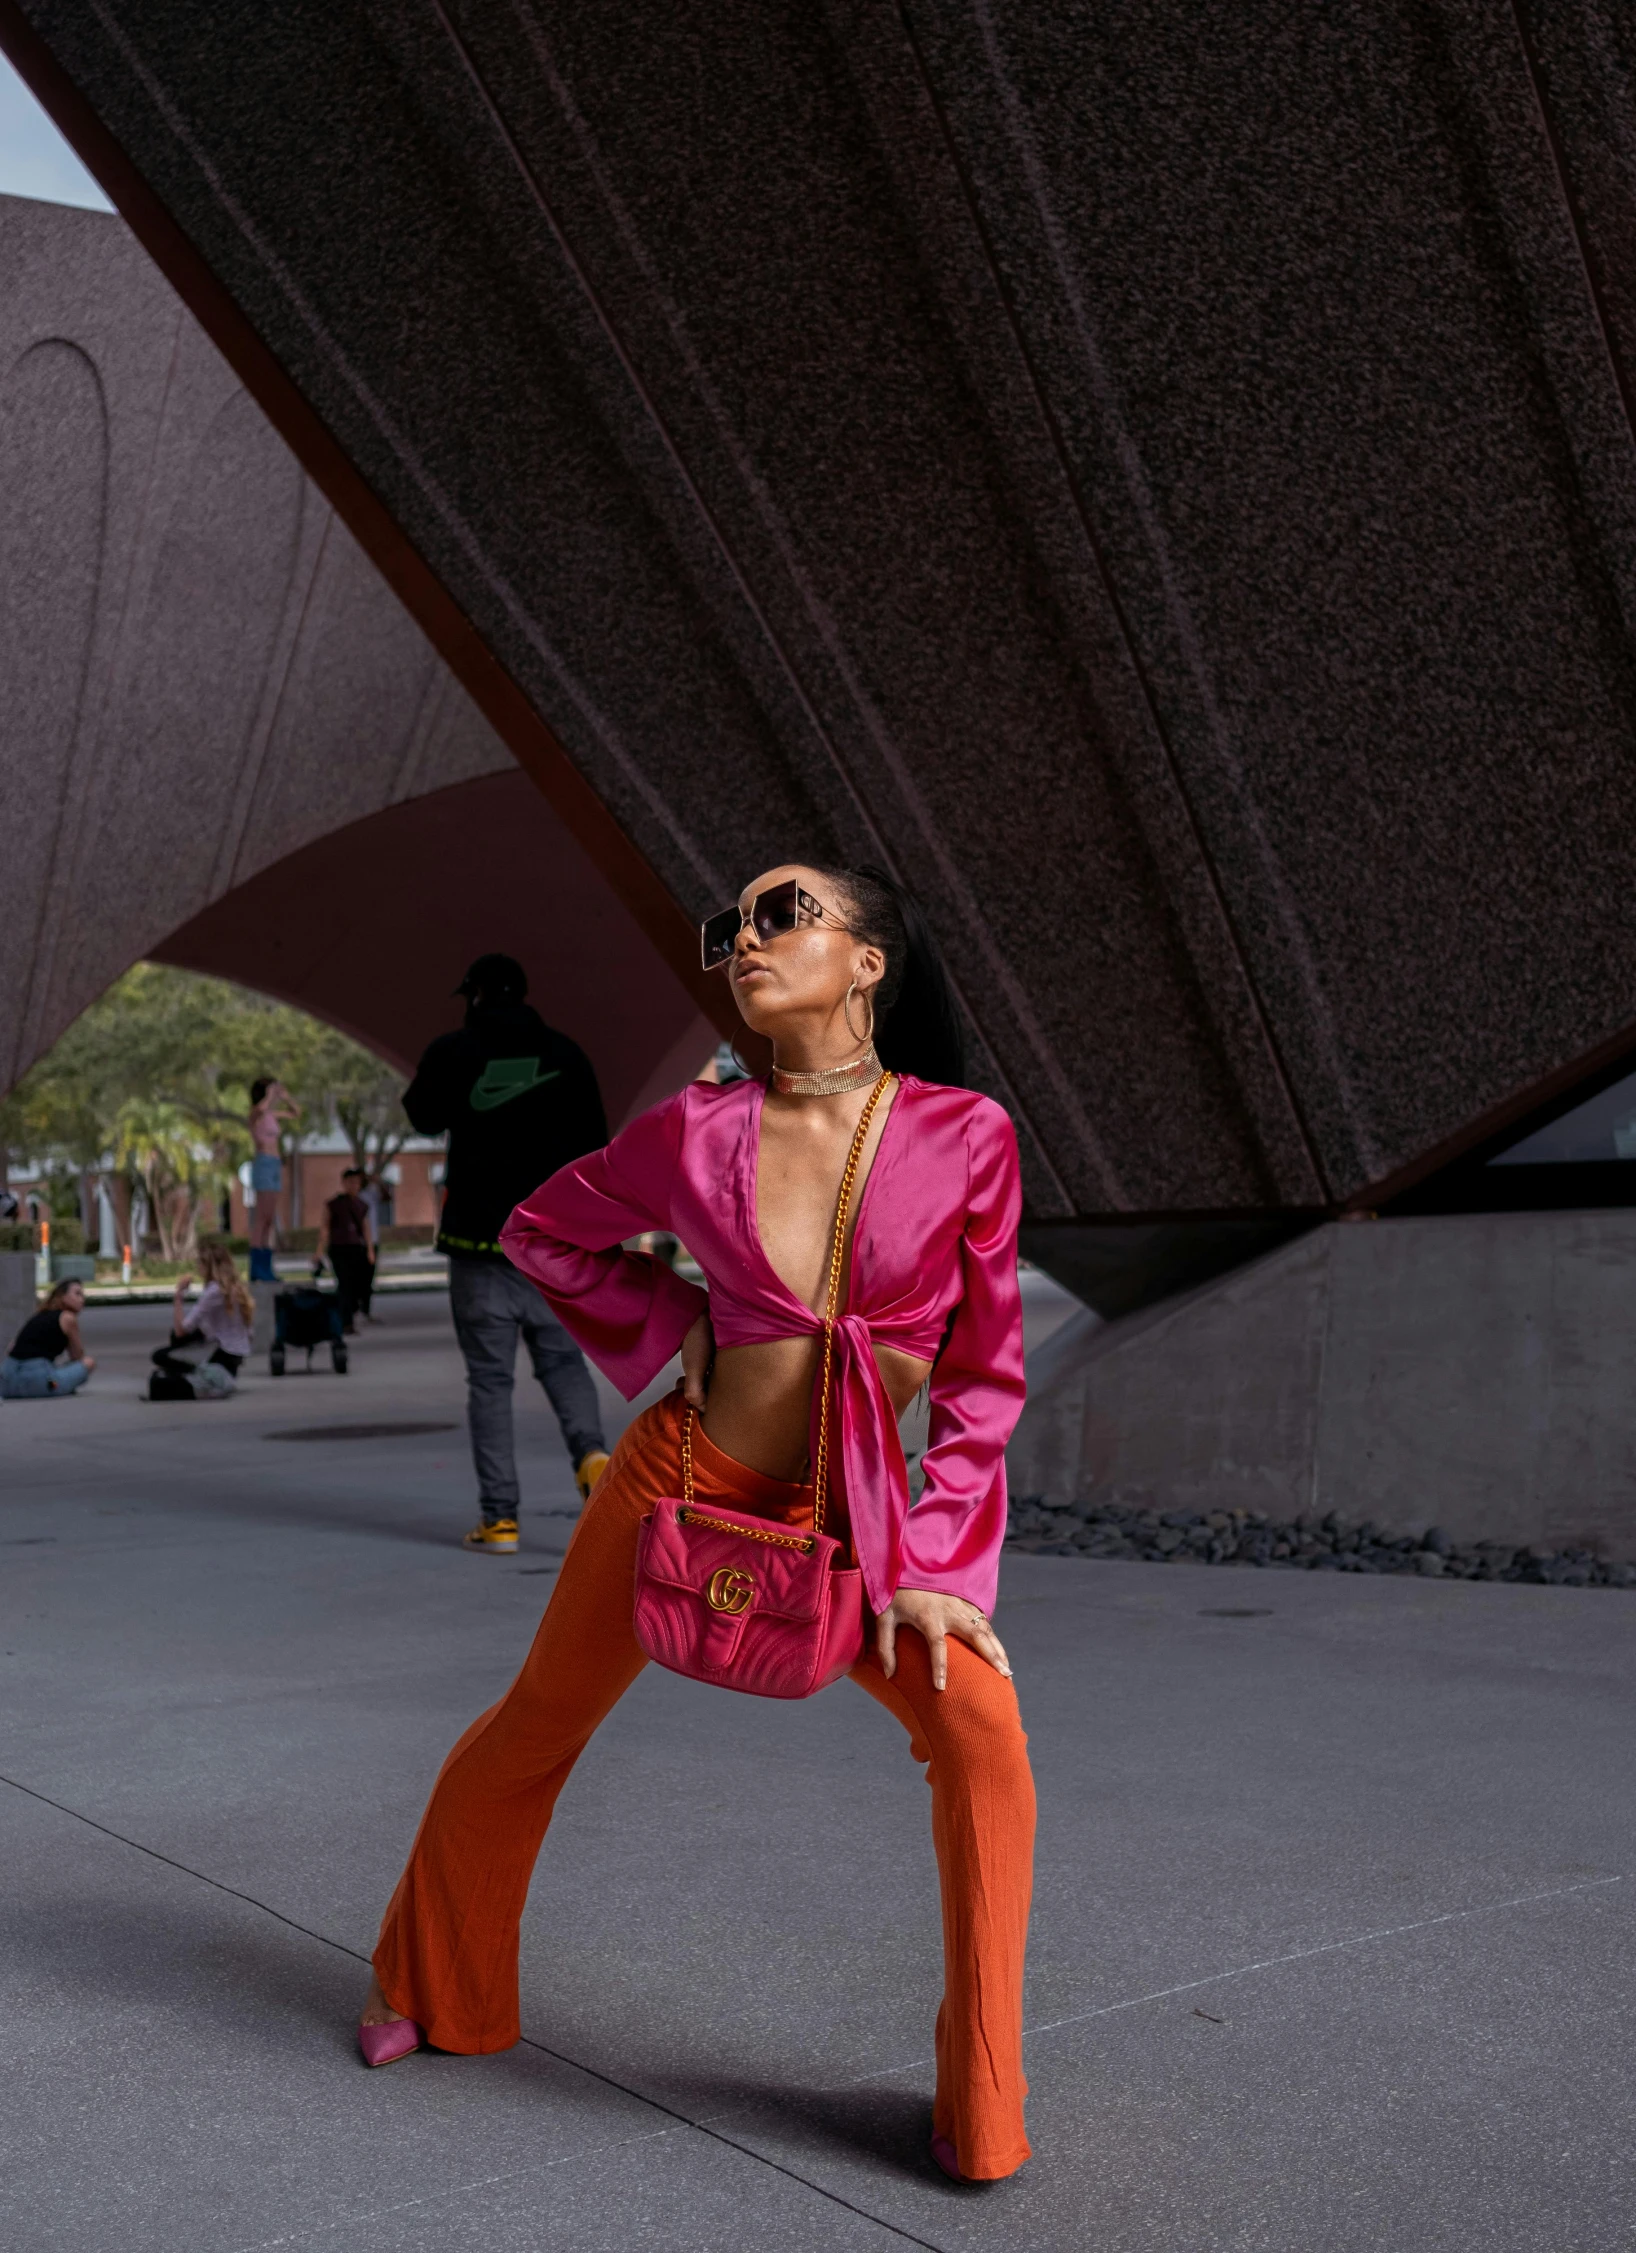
1559,1087
531,741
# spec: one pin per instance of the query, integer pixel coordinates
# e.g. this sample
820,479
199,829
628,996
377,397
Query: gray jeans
491,1303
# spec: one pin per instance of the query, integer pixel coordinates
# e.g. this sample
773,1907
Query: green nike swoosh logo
506,1077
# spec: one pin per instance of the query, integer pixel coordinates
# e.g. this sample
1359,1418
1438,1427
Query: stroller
307,1317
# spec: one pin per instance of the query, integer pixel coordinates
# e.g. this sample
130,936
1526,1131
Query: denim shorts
38,1380
266,1172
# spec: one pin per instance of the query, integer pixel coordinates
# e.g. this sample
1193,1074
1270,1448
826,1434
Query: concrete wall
223,740
17,1296
370,927
200,672
1477,1372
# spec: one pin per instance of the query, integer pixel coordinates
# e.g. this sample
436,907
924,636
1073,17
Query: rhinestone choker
840,1079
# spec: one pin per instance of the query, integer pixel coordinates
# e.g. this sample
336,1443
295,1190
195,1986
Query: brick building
413,1180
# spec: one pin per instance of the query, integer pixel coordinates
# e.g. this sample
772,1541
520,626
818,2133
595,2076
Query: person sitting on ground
222,1318
35,1368
348,1236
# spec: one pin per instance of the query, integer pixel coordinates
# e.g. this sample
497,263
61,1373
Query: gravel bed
1304,1544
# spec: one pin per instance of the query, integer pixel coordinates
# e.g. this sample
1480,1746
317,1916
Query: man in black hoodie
518,1101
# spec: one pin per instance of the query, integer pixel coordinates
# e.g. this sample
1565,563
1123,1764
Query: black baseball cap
500,976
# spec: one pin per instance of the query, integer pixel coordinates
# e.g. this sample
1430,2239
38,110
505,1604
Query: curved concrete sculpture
360,928
222,738
1168,489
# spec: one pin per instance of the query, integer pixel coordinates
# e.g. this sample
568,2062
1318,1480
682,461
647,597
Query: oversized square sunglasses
781,908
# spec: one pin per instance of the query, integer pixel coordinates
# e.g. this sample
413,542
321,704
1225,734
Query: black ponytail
918,1027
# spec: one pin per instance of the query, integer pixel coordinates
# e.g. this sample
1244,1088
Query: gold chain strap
837,1256
837,1253
801,1541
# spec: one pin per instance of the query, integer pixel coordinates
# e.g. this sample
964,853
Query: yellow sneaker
500,1538
589,1469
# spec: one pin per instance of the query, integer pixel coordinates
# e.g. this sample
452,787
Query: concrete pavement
1333,1933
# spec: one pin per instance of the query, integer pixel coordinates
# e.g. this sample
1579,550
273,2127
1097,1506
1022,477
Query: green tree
340,1082
160,1145
156,1075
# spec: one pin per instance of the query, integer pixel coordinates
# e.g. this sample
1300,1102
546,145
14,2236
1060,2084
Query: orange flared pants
447,1954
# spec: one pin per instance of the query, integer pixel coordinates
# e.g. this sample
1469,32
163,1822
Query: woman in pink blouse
836,968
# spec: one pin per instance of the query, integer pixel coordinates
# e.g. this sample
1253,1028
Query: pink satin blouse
934,1272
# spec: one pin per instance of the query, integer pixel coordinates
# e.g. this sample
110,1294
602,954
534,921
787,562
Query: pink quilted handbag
749,1603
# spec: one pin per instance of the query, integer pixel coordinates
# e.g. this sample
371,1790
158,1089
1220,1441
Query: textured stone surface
204,683
1469,1372
1140,1533
1170,491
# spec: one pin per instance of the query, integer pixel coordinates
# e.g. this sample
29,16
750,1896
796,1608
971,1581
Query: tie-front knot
870,1457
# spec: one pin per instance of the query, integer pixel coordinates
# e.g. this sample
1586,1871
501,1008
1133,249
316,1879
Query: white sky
35,160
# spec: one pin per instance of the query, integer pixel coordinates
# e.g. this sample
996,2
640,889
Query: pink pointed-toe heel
944,2153
384,2045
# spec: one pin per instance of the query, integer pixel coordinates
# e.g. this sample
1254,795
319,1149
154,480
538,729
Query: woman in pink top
827,963
271,1111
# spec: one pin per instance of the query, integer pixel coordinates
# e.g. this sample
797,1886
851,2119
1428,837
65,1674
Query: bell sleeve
951,1539
628,1310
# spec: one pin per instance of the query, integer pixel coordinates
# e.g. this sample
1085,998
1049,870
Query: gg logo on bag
730,1591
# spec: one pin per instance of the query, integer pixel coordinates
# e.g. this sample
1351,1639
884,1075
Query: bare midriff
761,1399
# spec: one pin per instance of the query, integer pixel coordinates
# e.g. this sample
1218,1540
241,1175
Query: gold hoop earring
862,1039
